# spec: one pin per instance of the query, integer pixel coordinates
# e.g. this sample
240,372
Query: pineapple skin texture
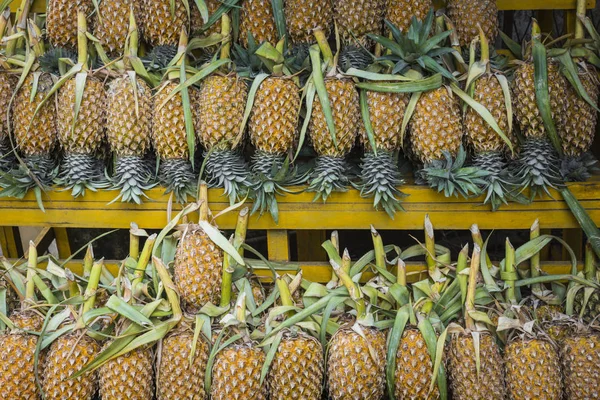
581,118
480,136
414,367
274,119
256,17
351,371
222,102
168,123
466,14
463,371
533,370
345,108
236,374
436,125
160,26
386,112
111,24
67,355
42,137
177,380
198,269
129,376
7,85
359,17
400,12
128,133
303,16
61,21
580,359
297,369
88,135
524,100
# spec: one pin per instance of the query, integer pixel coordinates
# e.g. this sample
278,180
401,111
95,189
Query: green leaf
250,102
374,76
410,109
279,17
126,310
513,46
583,218
311,90
364,109
319,82
220,240
80,80
439,374
417,85
400,321
569,70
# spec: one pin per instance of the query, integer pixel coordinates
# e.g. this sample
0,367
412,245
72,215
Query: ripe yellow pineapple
297,369
414,367
303,16
358,18
177,378
580,360
66,356
111,23
353,371
129,376
61,21
533,369
7,87
330,171
468,14
256,18
162,25
228,383
401,12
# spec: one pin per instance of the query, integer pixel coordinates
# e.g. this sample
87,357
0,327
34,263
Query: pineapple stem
169,286
82,44
35,38
581,10
461,265
227,280
478,240
485,48
4,19
88,261
335,240
175,73
241,228
429,245
510,272
534,263
31,266
90,291
401,272
472,287
378,248
226,32
22,14
140,269
353,289
284,294
536,31
134,36
590,263
324,46
240,308
203,199
73,288
134,244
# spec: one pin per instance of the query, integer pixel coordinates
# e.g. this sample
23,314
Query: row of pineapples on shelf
443,85
186,318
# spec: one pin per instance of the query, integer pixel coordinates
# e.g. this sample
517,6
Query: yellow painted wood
11,249
278,245
62,242
41,236
3,243
342,211
321,271
570,19
309,245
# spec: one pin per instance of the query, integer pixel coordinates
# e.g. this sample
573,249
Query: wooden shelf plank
342,211
39,6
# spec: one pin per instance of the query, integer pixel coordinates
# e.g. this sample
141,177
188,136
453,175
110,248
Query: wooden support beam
62,242
278,245
309,245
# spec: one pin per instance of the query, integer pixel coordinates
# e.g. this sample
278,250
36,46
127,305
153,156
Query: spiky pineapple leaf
258,80
569,70
400,321
431,339
319,82
587,224
217,237
311,91
408,113
364,110
375,76
417,85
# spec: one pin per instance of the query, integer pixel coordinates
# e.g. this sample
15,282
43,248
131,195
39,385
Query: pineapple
257,19
401,12
580,360
61,21
533,369
297,369
222,101
475,364
7,87
198,263
584,300
358,18
413,367
35,134
302,17
488,147
81,135
111,24
170,133
163,21
380,176
467,15
129,127
273,128
129,376
177,378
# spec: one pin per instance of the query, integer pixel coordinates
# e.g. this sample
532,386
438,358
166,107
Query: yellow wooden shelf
298,212
39,6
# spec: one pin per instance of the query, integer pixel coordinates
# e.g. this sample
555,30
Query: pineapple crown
53,60
416,49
